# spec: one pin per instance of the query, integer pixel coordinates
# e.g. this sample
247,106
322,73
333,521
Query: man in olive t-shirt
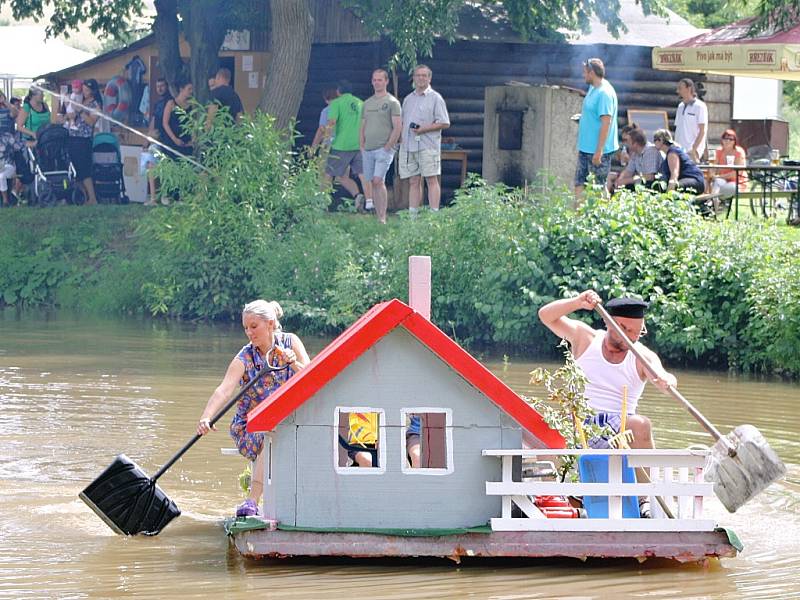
344,119
380,129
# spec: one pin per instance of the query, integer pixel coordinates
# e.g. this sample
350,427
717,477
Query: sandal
248,508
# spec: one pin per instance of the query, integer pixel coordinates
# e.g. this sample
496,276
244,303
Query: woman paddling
268,345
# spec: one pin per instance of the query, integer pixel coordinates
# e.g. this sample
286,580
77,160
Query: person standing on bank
268,345
606,361
424,118
380,130
597,128
81,132
223,95
691,121
344,123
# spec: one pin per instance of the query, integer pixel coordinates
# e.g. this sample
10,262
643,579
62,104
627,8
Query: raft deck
275,541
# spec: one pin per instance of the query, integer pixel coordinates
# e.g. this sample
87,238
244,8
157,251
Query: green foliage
209,252
414,25
721,293
566,409
109,18
68,257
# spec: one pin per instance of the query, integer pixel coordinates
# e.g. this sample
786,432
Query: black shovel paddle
741,464
129,501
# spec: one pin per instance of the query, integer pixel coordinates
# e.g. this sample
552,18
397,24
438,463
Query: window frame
407,469
381,469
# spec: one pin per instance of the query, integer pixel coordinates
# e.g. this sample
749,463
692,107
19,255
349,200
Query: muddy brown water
75,391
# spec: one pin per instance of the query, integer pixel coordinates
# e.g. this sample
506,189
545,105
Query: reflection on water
76,391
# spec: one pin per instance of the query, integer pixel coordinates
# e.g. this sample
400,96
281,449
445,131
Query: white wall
757,98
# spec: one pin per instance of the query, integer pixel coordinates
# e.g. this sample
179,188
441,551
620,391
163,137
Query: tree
292,31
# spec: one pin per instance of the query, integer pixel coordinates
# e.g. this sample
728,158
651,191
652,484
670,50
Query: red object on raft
556,507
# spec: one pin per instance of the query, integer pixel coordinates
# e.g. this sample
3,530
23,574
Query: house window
359,447
427,441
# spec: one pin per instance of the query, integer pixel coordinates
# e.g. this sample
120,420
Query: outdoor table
772,178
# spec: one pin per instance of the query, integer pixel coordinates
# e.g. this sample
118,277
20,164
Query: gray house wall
398,372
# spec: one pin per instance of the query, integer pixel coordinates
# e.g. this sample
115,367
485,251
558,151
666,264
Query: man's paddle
129,501
741,464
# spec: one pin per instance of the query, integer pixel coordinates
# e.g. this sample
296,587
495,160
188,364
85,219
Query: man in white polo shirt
424,117
691,121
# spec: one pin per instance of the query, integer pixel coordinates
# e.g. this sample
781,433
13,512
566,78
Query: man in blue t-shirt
597,130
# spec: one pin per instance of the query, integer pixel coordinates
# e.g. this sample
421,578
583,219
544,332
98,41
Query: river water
75,391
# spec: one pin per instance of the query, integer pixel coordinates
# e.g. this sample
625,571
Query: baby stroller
53,173
109,184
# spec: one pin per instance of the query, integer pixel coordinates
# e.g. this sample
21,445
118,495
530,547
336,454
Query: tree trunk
205,36
292,28
166,31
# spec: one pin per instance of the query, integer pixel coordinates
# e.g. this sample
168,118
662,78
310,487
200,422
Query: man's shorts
377,163
585,166
427,163
339,160
602,419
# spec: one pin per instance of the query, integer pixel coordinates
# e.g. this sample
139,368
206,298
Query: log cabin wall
463,69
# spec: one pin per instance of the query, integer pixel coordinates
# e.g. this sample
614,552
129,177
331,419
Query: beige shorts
427,163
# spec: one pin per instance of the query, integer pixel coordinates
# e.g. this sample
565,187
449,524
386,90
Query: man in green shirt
344,120
380,130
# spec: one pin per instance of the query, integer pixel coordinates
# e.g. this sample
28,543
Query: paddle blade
737,479
128,501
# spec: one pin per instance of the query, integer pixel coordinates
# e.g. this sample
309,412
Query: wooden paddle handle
673,392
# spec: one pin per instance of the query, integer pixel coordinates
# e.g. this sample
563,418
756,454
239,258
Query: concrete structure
527,130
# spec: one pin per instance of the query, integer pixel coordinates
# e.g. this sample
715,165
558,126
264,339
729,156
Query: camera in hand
413,125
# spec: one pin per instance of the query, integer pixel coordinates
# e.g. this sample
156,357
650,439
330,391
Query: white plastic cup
729,160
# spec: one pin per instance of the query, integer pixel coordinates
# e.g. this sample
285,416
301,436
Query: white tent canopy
25,54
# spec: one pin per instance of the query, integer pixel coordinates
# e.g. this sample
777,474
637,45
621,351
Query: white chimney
419,284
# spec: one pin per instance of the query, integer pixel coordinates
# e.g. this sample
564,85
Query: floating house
465,495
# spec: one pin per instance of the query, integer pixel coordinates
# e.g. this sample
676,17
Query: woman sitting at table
724,180
677,170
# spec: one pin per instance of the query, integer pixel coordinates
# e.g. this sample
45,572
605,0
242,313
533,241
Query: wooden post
419,284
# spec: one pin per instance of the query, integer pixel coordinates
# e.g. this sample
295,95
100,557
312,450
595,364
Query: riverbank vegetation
723,294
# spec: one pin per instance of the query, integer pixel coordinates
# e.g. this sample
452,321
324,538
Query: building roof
376,323
25,52
90,59
650,30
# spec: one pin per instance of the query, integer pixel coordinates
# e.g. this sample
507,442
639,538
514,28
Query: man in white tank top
606,360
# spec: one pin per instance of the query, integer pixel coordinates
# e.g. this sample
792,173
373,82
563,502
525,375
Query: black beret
627,307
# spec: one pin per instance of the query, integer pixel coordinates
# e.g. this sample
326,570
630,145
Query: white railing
676,477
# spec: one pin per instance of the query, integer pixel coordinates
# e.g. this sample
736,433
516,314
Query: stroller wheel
77,197
46,198
124,199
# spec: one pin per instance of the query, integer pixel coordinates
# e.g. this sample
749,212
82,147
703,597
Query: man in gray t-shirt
424,117
380,130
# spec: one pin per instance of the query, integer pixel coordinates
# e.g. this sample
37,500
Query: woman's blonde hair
269,311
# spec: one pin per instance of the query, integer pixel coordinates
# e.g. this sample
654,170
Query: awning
729,51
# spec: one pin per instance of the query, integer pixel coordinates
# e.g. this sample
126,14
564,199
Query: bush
254,225
222,244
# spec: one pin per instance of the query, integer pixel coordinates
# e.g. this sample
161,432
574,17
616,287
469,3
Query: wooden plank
549,488
602,525
615,479
691,461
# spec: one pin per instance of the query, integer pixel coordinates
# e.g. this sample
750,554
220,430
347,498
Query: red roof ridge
373,325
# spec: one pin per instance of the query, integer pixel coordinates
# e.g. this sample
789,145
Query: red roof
362,335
